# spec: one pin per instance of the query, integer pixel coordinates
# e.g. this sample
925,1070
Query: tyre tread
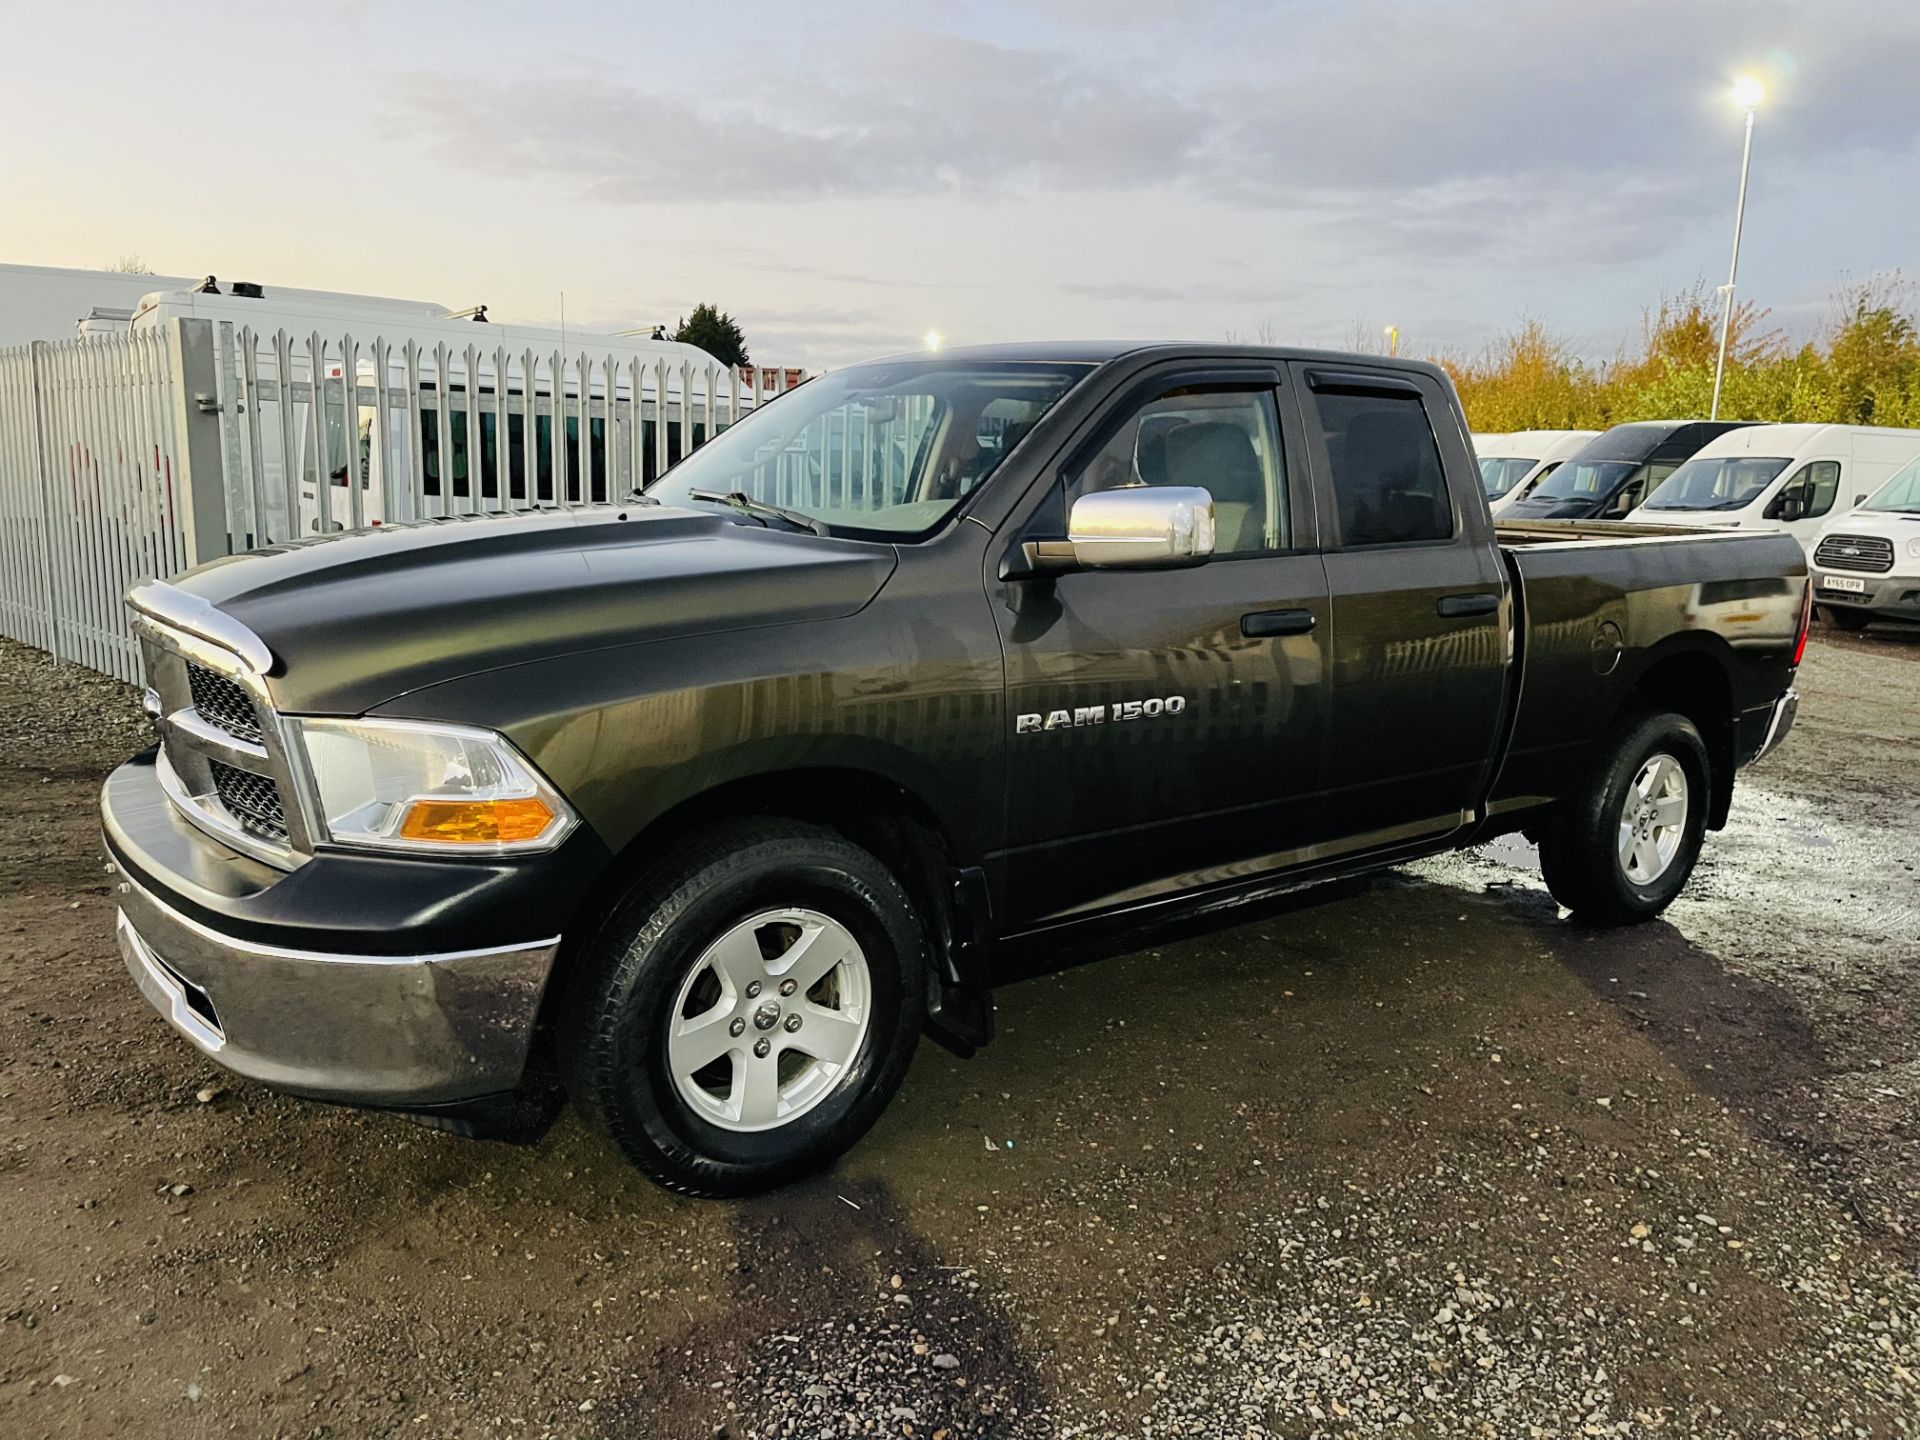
1577,853
623,943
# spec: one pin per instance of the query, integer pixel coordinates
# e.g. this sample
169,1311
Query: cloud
1143,292
1503,131
910,113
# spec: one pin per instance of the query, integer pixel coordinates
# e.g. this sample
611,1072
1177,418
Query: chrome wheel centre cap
766,1016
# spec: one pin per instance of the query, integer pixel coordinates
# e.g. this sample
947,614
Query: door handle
1454,607
1263,623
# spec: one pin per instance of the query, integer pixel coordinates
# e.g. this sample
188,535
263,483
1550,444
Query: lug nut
753,988
793,1023
737,1026
762,1046
787,987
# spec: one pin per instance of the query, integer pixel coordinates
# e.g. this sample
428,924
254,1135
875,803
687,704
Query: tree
1864,368
131,265
715,332
1524,380
1873,353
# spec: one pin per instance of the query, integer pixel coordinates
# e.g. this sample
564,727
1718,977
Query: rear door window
1383,464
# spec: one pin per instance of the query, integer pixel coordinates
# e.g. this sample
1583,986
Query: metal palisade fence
90,498
322,433
129,457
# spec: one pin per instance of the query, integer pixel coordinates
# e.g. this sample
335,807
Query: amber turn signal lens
476,822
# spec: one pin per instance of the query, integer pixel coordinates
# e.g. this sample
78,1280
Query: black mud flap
959,982
518,1117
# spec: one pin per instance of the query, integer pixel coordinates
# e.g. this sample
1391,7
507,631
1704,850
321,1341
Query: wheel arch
1693,676
890,820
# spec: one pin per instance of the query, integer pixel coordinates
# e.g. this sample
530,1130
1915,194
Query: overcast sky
846,176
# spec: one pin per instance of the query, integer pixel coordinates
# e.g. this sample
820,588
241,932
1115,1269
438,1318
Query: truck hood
355,620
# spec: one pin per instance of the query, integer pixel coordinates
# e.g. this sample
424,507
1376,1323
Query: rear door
1419,606
1168,727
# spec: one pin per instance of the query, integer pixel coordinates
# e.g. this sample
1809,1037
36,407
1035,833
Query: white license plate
1850,583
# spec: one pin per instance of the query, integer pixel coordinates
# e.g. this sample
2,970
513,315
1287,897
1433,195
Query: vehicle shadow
839,1306
1736,1037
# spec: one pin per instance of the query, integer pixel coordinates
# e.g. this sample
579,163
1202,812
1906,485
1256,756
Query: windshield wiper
747,505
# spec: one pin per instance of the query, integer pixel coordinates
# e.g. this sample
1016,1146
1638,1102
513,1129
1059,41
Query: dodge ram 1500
713,801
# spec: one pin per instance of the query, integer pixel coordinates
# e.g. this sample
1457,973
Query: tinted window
1380,455
1225,442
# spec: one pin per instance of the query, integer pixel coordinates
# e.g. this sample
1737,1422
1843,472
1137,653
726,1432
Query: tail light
1806,623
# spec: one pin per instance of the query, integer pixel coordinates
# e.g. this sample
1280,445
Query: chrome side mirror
1157,527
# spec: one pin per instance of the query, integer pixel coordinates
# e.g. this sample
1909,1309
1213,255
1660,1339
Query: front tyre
1847,618
747,1012
1623,846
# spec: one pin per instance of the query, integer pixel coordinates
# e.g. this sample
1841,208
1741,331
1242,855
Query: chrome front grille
254,800
224,762
221,702
1869,554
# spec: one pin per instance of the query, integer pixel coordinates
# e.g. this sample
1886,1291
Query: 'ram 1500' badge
1082,715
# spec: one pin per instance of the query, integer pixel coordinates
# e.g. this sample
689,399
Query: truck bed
1600,603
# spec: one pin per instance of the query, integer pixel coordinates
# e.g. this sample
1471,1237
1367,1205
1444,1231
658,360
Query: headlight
403,785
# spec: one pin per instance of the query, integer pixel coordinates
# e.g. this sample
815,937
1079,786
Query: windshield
1584,480
1500,473
1901,494
1729,482
888,449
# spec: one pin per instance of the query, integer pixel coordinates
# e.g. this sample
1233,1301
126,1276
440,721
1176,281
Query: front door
1804,504
1167,727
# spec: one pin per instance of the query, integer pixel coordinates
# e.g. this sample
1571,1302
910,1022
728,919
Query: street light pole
1747,92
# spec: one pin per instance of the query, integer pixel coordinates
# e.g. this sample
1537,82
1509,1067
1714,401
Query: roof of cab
1100,352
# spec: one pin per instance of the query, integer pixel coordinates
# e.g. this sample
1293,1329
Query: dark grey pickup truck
712,802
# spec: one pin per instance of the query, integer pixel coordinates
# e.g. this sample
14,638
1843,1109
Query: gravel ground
1418,1158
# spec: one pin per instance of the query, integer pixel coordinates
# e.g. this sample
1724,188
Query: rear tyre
1622,847
1847,618
745,1014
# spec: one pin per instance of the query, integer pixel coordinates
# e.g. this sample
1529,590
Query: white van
1866,564
527,463
1779,477
1511,465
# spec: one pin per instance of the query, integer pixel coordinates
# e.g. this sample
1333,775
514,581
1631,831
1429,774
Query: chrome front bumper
363,1029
